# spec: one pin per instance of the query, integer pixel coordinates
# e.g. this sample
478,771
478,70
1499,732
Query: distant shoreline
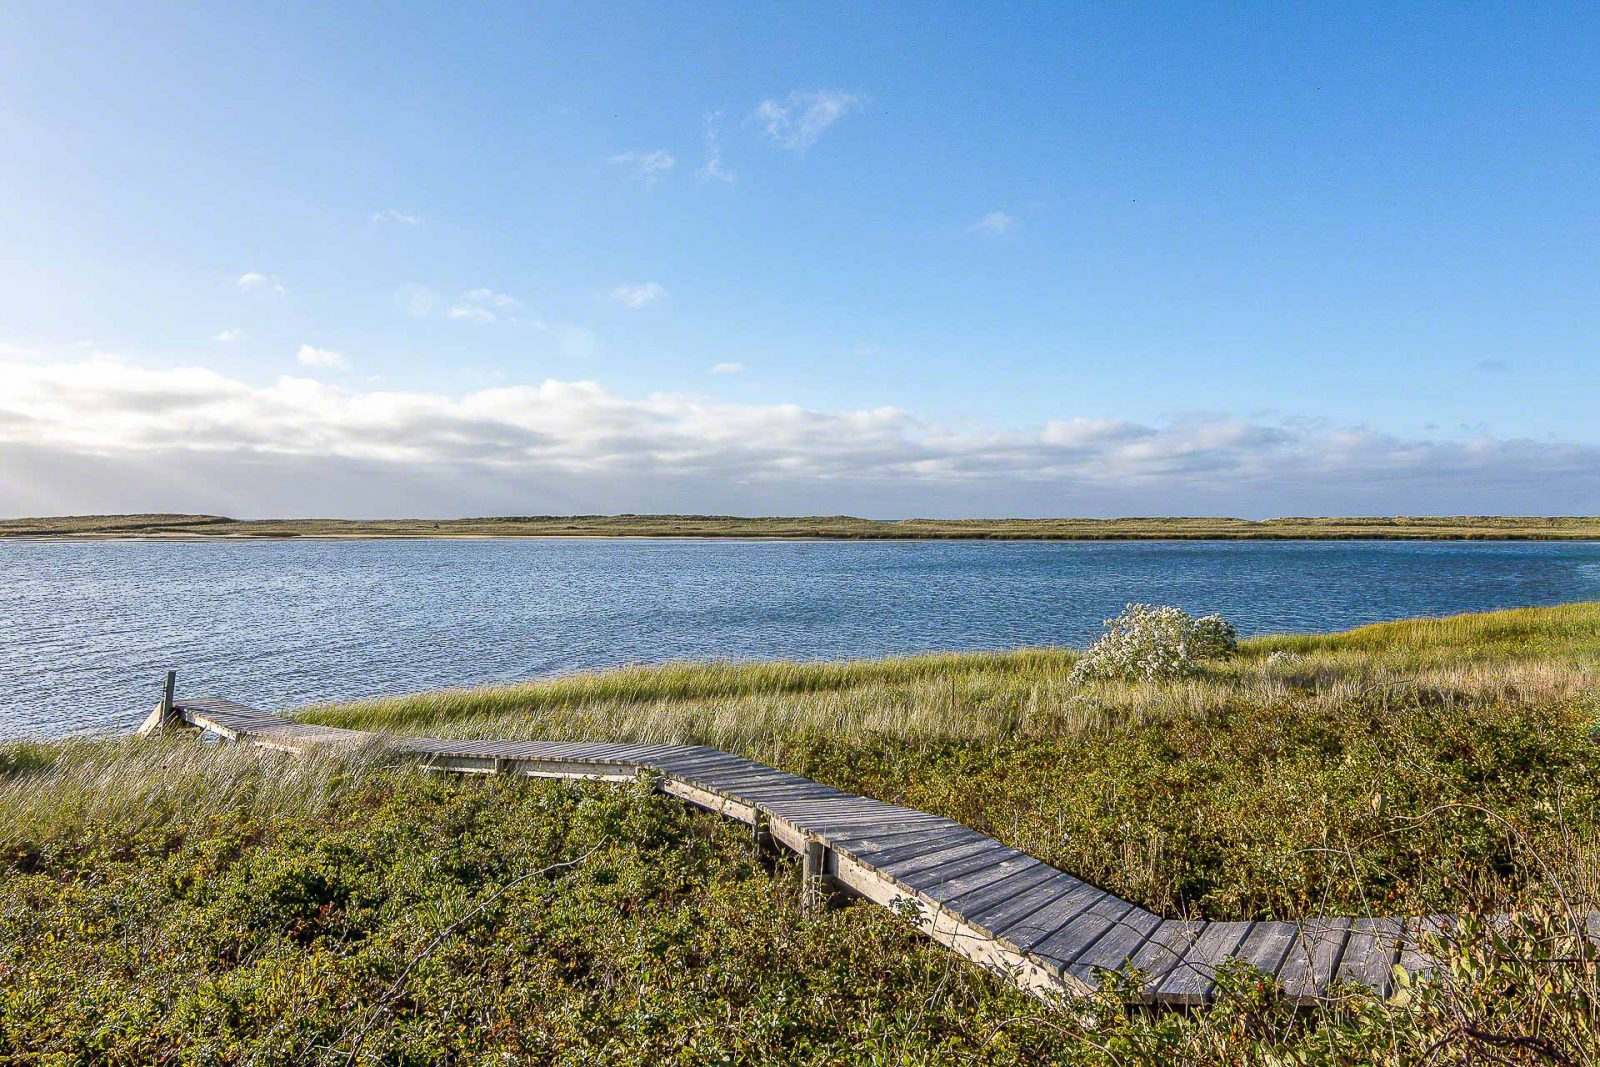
203,528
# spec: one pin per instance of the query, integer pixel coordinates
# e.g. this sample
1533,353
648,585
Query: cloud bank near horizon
100,434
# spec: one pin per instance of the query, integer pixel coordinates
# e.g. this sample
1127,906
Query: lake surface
86,629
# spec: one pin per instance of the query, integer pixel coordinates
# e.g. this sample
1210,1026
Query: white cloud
483,305
993,224
637,295
712,169
324,358
228,336
254,282
796,121
646,166
404,218
92,434
727,368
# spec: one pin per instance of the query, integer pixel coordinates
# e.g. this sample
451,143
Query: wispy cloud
82,434
639,294
712,169
646,166
228,336
796,121
994,224
404,218
482,305
727,368
321,358
255,282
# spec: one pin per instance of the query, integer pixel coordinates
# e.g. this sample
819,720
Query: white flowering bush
1147,643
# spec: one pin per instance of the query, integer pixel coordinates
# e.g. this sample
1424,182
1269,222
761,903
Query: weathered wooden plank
733,809
540,768
1313,957
844,819
774,797
830,825
757,774
830,835
1164,949
1116,946
731,783
1267,944
1038,925
1418,943
1000,915
946,930
996,905
1074,938
694,765
825,809
1194,979
774,791
839,807
875,846
951,884
1370,954
908,860
606,752
931,868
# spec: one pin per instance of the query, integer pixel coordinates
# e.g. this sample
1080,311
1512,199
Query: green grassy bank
207,905
829,527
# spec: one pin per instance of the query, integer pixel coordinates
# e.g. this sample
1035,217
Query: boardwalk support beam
814,875
761,836
165,716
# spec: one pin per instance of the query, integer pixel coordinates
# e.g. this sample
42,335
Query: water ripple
89,627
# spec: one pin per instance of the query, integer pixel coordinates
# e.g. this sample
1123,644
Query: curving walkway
1041,928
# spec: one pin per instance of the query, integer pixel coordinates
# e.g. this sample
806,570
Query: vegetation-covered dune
226,906
831,527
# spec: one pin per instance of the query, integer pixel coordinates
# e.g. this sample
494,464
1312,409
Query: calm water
86,629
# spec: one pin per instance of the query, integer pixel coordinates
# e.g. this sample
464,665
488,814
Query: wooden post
760,835
813,874
162,718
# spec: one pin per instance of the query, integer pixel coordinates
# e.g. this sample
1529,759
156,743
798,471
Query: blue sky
949,259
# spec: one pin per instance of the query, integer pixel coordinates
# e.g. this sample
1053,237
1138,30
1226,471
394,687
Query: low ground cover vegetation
214,905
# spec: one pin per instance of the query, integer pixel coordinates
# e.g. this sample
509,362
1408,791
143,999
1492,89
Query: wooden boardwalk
1039,927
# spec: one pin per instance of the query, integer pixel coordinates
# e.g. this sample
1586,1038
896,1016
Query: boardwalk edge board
1042,929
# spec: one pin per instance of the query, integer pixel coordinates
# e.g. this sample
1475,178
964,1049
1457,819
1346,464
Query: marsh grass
57,791
1522,655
